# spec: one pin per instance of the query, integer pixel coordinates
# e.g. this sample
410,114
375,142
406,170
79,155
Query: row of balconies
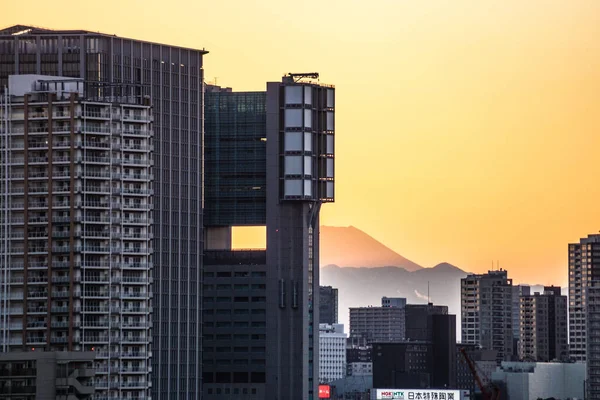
96,234
42,157
88,174
65,128
90,188
103,384
43,310
43,205
105,338
78,279
43,219
85,264
33,250
104,112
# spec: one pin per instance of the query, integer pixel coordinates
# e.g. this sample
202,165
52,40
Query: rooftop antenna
428,298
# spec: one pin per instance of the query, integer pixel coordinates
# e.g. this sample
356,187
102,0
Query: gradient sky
467,131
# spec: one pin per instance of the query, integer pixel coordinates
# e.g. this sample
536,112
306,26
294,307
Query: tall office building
332,352
76,211
543,326
328,305
486,312
270,154
593,341
379,324
173,78
584,267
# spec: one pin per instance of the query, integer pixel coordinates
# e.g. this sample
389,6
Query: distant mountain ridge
351,247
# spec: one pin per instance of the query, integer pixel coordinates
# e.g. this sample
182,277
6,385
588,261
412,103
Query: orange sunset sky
467,131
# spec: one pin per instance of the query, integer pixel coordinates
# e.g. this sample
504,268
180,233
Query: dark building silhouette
269,162
428,363
419,321
402,365
328,305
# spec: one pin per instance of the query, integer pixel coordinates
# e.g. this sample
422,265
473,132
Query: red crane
495,395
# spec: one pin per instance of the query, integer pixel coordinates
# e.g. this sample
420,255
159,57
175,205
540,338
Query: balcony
97,114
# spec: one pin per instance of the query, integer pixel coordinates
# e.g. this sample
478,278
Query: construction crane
495,395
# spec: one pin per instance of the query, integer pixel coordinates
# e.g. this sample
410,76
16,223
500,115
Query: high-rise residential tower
543,326
328,305
584,267
173,79
270,154
593,341
486,312
76,227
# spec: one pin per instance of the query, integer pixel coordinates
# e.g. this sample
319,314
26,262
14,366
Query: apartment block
172,78
592,294
543,326
379,324
486,312
584,267
76,211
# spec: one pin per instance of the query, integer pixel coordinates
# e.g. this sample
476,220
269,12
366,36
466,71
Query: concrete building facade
76,217
532,381
584,267
379,324
173,79
332,352
360,368
40,375
393,302
486,312
543,326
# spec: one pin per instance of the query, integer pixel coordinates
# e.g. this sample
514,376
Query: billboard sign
324,391
415,394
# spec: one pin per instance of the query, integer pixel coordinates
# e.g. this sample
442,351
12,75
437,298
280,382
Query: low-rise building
40,375
332,352
532,381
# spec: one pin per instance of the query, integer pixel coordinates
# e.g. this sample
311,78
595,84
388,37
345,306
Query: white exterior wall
332,352
526,381
76,267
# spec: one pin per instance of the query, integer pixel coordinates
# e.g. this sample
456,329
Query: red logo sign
324,391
